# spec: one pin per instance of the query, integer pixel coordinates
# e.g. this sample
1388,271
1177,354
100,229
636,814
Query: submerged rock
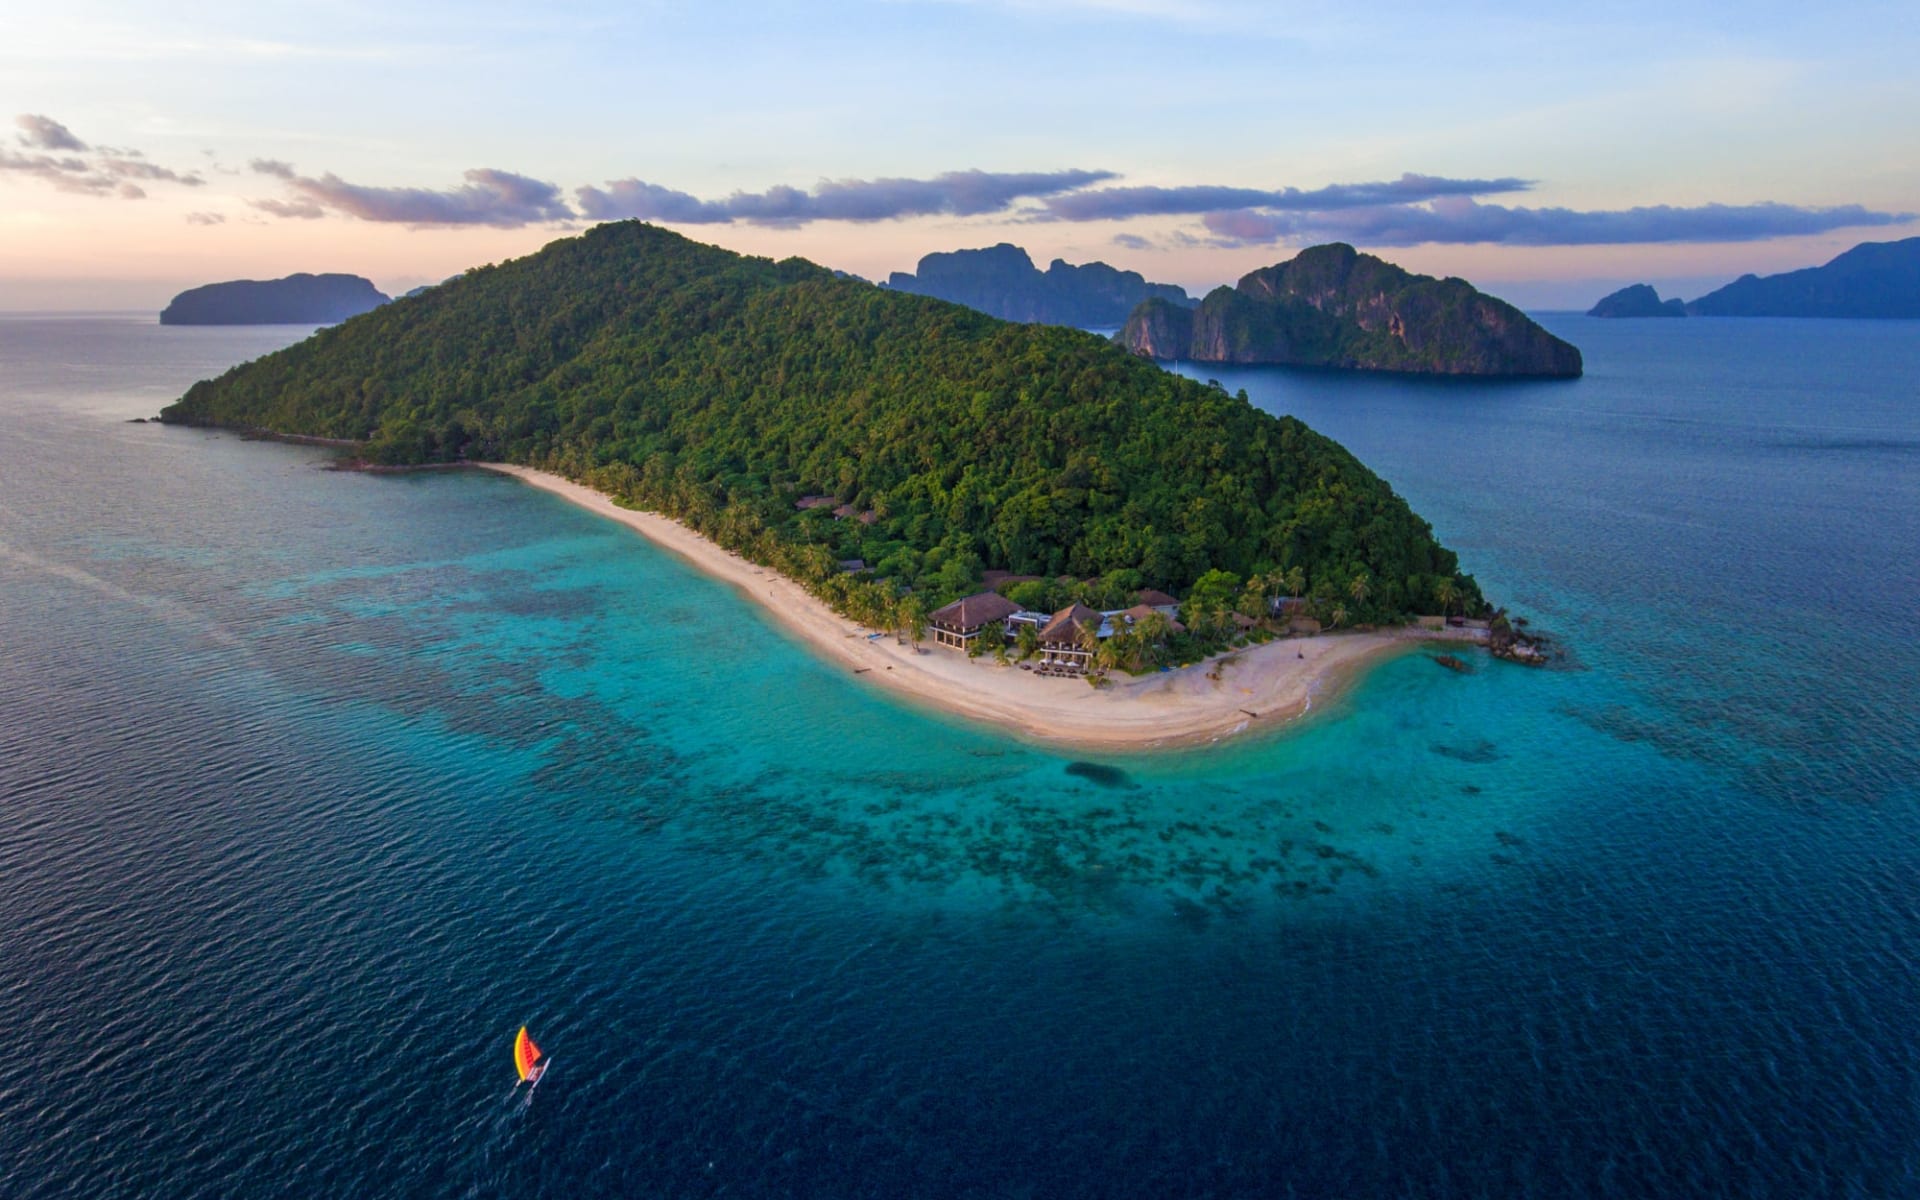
1101,774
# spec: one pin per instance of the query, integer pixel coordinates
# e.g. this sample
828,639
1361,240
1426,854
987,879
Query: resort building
1062,635
1159,600
1061,649
959,623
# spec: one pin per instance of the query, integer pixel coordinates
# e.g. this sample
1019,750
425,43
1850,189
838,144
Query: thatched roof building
1064,627
959,623
1060,645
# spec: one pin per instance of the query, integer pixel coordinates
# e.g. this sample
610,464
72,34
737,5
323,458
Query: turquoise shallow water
318,785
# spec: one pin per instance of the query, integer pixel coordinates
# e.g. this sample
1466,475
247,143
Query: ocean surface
316,786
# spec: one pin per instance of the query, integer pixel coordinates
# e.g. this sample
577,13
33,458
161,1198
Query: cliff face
1874,279
1334,307
1639,300
295,300
1002,281
1160,329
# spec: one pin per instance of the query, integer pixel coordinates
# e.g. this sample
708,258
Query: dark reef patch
1102,774
1481,751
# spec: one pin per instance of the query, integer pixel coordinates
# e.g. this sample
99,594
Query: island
861,459
295,300
1331,306
1639,300
1874,279
1003,282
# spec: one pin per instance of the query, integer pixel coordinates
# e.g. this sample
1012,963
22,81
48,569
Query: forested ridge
721,389
1332,306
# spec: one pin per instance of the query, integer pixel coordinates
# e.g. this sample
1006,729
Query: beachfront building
959,623
1061,648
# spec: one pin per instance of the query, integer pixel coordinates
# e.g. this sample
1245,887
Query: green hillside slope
722,389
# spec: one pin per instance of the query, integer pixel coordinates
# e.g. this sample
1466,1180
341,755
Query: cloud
136,168
1461,220
1132,241
83,169
1113,204
956,193
499,199
205,218
96,177
45,133
297,210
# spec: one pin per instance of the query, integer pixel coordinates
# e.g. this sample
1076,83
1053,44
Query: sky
1547,153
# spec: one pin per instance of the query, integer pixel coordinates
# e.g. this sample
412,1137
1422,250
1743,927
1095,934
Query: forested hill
295,300
1331,306
722,389
1874,279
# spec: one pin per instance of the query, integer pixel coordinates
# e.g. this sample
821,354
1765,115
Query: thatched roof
806,502
1154,599
972,612
1066,624
1139,611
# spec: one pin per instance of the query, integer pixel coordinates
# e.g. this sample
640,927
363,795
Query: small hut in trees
1154,598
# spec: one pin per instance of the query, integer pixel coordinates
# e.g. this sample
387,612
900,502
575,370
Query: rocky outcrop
295,300
1639,300
1332,306
1003,282
1874,279
1160,329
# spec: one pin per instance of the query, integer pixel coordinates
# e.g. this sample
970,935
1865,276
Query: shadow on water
1102,774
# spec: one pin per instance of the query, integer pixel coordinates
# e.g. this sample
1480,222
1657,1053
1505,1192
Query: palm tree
912,615
1296,581
1089,640
1338,616
1446,592
1150,637
1027,640
1360,588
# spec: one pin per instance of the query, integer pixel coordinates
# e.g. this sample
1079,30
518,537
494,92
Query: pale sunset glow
1549,156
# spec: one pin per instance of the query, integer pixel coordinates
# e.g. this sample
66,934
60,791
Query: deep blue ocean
316,786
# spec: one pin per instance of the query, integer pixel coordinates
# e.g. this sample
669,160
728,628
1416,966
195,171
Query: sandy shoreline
1257,687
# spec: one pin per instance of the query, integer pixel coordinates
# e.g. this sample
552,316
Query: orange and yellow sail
526,1055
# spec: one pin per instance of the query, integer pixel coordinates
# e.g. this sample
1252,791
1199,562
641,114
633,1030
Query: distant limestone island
1873,280
857,455
1002,281
1332,306
296,300
1639,300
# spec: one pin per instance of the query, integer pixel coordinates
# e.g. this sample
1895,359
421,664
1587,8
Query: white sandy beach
1257,686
